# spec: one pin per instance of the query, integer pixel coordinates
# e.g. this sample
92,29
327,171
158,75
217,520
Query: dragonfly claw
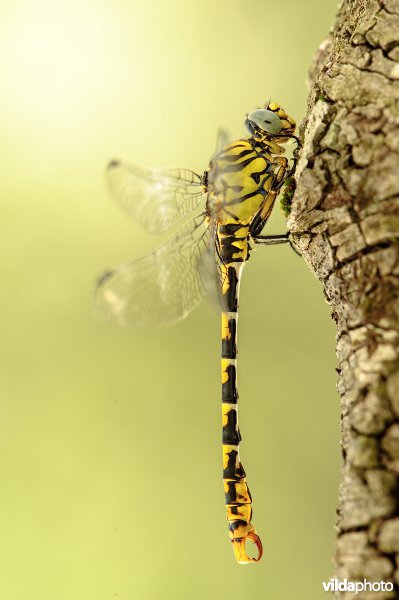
239,548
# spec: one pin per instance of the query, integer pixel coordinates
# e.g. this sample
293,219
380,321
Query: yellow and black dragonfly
217,217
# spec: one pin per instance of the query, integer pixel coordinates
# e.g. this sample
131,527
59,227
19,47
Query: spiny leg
271,190
281,173
271,240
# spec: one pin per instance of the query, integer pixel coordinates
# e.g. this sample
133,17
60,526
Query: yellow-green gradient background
110,442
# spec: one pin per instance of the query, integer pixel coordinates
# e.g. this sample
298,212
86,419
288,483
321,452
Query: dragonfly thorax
238,180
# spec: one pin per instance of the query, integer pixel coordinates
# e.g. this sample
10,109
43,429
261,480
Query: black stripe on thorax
231,157
237,166
244,197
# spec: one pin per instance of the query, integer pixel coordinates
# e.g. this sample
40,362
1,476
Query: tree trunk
345,220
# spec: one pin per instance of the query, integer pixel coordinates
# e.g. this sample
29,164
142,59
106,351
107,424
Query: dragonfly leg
269,240
283,238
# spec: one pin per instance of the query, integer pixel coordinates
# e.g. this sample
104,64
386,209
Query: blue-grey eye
264,119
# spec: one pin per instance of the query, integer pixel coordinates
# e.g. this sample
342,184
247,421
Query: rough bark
345,220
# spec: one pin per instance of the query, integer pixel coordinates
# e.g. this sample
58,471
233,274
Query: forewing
162,287
223,139
155,198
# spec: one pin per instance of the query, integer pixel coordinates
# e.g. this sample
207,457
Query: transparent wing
223,139
155,198
162,287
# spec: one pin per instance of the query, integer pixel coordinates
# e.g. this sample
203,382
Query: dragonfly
215,220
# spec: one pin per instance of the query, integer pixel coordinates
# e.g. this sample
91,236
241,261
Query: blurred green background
100,498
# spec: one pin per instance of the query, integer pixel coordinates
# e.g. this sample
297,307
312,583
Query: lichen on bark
345,220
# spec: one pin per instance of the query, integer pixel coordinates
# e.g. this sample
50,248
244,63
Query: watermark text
343,585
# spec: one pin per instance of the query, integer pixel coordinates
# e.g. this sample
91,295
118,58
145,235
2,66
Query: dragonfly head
271,122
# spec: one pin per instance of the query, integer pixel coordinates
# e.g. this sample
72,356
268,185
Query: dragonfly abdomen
237,495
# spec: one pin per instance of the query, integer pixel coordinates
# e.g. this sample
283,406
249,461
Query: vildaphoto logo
343,585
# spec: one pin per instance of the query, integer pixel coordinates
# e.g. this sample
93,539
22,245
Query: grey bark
345,220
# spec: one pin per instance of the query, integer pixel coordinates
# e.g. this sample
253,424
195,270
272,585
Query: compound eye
266,120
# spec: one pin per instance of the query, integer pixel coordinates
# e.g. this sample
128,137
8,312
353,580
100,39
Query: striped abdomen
238,497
